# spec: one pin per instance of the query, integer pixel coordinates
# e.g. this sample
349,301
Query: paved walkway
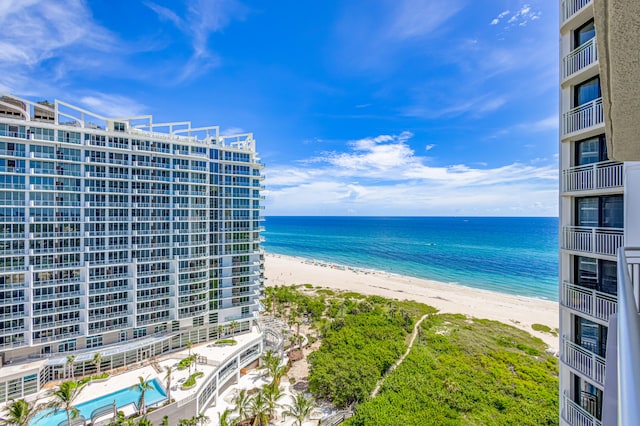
399,361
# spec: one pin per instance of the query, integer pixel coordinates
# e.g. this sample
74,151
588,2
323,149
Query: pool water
122,397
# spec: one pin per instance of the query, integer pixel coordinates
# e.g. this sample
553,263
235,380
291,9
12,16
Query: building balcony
583,361
580,58
597,176
575,415
571,8
582,118
602,241
592,303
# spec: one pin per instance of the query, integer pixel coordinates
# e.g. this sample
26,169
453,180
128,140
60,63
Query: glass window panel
588,211
588,91
612,212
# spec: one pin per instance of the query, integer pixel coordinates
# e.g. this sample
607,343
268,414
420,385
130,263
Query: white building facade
116,230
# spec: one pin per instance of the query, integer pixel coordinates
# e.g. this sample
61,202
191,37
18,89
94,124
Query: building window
198,321
583,34
596,274
118,126
592,150
122,337
587,92
94,342
605,212
139,332
591,336
588,396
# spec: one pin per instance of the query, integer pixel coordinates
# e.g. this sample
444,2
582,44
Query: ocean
513,255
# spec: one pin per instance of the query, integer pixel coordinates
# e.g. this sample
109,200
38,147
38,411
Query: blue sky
359,107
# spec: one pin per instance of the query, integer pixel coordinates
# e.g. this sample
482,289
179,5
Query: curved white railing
580,58
587,301
602,175
605,241
583,117
584,361
571,7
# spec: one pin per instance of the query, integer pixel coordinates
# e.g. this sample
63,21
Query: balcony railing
603,175
591,302
583,117
605,241
584,361
580,58
571,7
622,390
575,415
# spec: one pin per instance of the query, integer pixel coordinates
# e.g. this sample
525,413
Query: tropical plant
224,419
142,386
234,326
195,362
168,372
241,401
63,398
201,419
300,408
273,394
144,422
19,413
97,360
189,345
70,370
259,409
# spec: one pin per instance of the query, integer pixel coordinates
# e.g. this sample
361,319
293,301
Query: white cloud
429,147
62,34
521,17
501,15
202,19
232,131
383,175
112,106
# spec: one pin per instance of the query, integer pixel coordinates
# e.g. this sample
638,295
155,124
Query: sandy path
521,312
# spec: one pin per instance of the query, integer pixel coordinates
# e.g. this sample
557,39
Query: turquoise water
513,255
122,397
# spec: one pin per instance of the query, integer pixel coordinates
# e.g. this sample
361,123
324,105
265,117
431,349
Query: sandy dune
521,312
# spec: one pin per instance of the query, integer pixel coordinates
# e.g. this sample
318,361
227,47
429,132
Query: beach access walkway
416,329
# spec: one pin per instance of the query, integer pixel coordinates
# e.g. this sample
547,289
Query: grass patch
191,380
226,342
545,329
308,286
326,292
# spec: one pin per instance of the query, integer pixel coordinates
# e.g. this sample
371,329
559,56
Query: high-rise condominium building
120,233
599,212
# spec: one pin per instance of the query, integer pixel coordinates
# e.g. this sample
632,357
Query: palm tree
260,409
19,413
168,372
272,394
224,420
220,330
300,408
97,360
233,325
241,401
189,345
70,360
195,362
270,361
63,398
201,419
276,375
142,386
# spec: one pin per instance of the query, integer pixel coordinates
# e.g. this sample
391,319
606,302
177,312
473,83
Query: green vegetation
226,342
468,372
191,380
364,338
459,371
545,329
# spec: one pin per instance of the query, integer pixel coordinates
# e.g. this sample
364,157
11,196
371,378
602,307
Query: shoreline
519,311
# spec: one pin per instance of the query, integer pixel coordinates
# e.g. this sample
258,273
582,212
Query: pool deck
215,355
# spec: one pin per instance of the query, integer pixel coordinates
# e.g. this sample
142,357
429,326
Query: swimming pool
122,397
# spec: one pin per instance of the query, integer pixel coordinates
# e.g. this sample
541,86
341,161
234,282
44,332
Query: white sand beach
521,312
